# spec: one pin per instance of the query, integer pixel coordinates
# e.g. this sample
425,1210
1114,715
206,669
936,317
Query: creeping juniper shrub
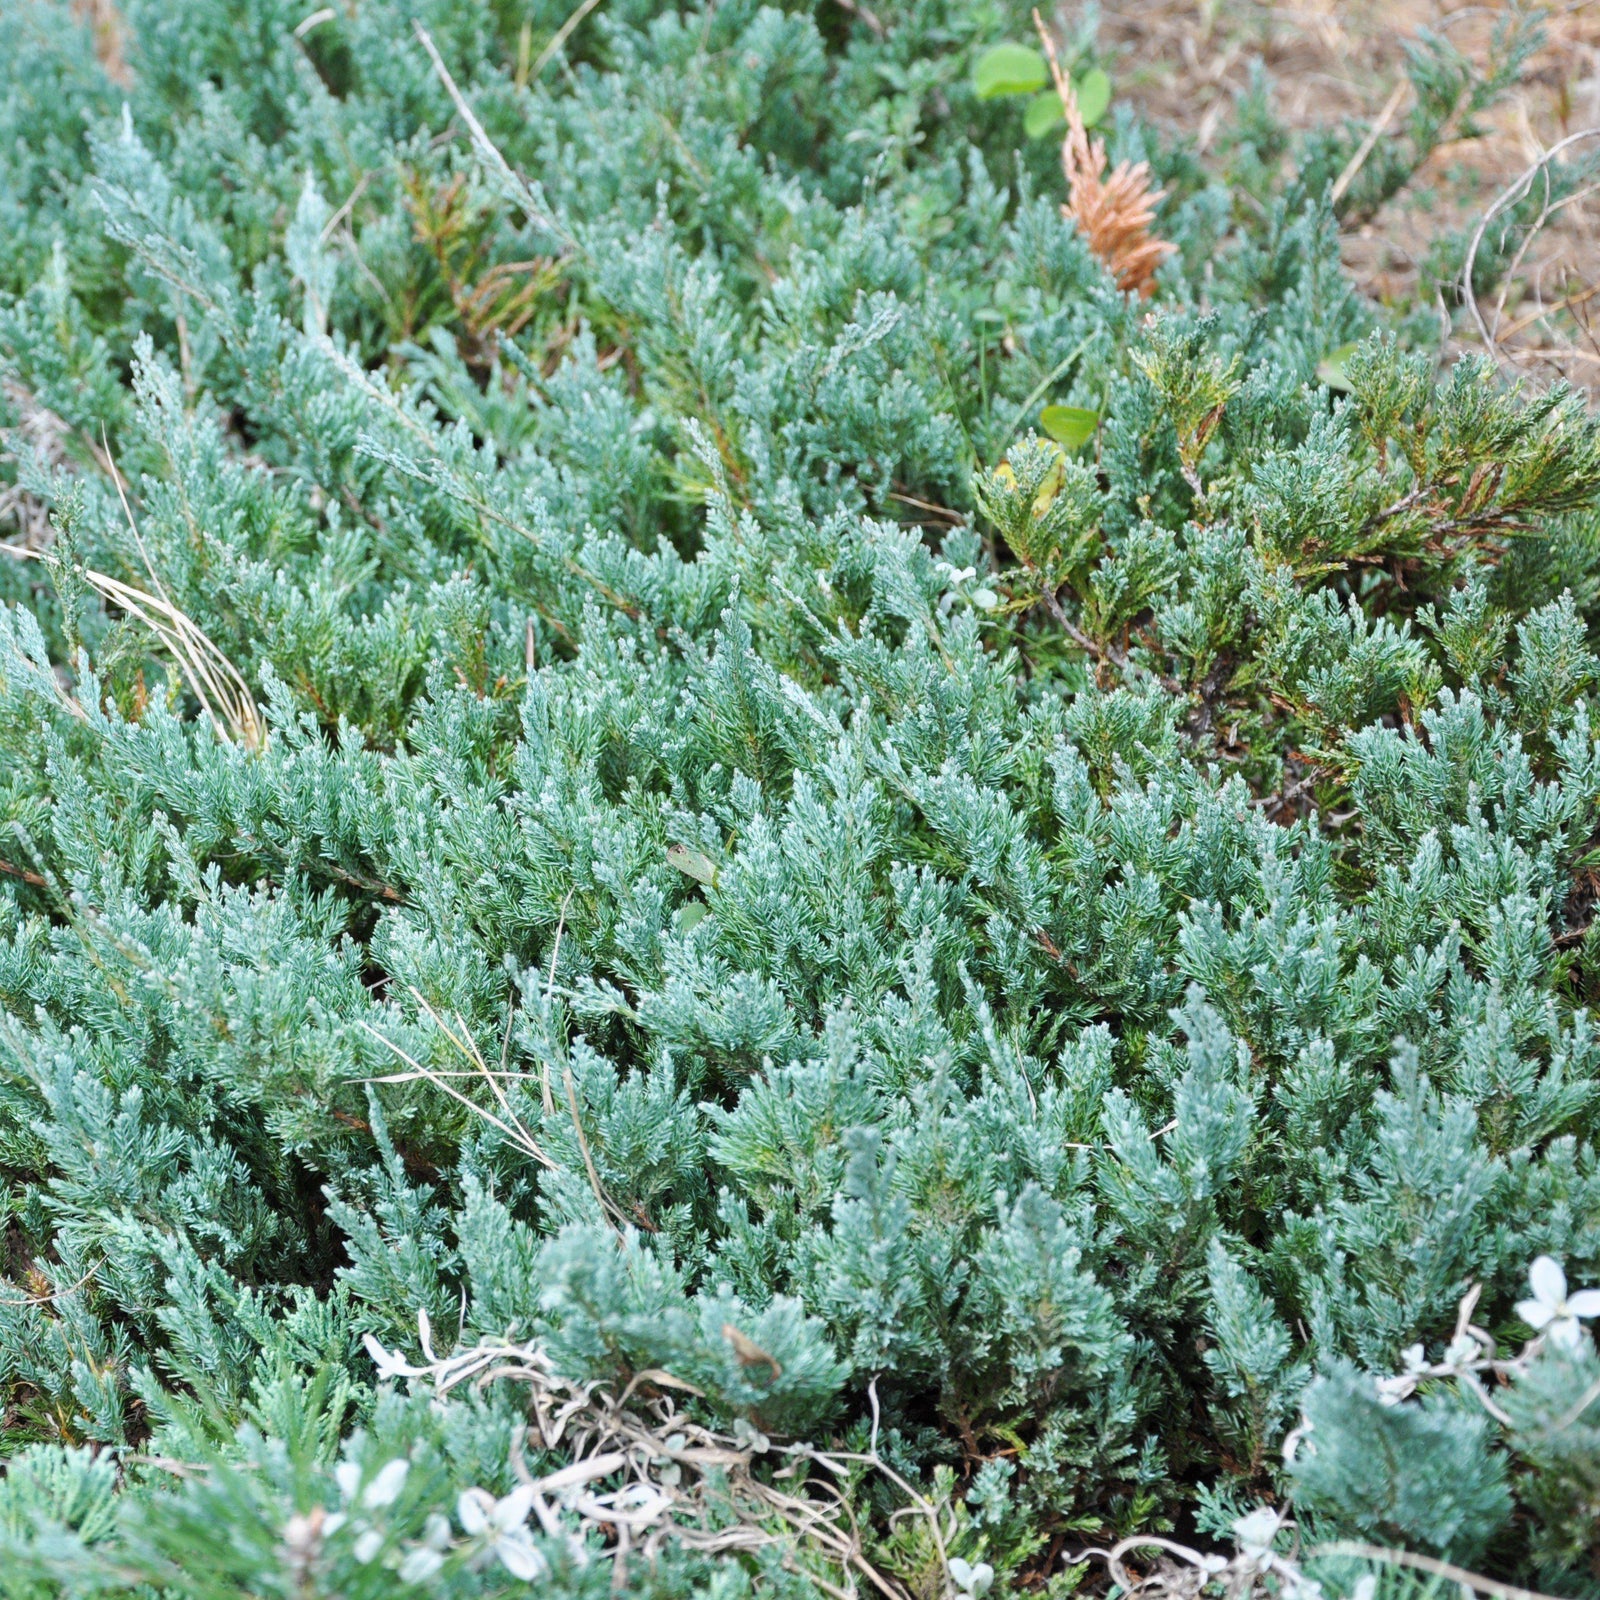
1058,975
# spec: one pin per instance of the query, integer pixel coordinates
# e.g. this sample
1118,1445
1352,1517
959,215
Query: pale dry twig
641,1474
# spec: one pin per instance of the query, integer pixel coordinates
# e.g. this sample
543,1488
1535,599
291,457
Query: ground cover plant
731,862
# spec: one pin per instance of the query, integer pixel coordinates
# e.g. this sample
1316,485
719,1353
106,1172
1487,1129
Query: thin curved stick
489,153
1439,1569
59,1294
1508,197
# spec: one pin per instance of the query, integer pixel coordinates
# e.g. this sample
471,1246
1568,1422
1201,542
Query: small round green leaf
1009,69
1070,426
1330,370
1094,95
1044,114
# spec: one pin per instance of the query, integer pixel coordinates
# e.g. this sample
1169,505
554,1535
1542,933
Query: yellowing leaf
1051,486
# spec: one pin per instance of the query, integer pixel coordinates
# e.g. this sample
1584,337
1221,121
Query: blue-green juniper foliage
570,764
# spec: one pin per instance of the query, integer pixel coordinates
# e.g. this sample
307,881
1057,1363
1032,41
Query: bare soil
1181,63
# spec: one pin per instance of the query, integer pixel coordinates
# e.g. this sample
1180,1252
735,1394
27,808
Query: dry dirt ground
1182,61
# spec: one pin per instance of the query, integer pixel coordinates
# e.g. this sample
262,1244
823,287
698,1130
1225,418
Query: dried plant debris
641,1474
1114,213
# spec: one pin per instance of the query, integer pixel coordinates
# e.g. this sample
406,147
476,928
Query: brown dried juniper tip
1112,213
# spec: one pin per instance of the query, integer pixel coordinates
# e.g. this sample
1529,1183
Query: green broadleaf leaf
1009,69
1330,370
1044,113
1094,95
692,863
1069,426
